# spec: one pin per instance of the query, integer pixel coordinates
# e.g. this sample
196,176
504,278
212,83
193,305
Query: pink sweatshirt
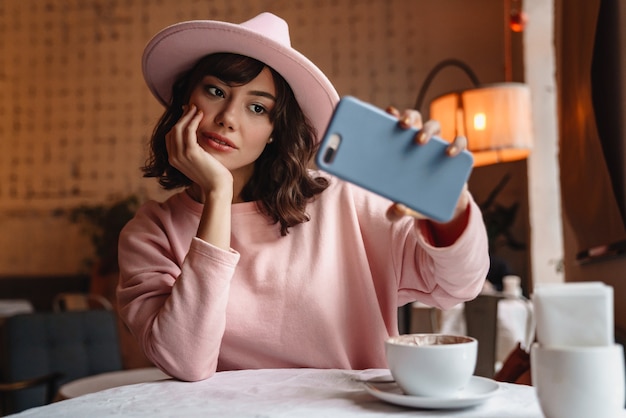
324,296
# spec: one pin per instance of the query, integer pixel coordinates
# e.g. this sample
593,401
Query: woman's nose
226,117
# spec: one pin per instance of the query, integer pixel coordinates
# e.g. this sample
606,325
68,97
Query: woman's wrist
446,234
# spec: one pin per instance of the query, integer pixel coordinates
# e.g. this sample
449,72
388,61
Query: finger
457,146
410,118
175,138
433,127
394,213
393,111
398,210
170,142
430,129
191,136
188,112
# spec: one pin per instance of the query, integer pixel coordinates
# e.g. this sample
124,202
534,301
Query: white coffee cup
433,365
579,382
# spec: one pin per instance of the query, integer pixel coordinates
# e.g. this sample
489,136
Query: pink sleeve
177,314
449,275
403,251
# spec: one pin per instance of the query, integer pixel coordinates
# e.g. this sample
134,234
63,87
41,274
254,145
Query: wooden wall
75,114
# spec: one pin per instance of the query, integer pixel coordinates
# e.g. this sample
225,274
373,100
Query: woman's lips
218,142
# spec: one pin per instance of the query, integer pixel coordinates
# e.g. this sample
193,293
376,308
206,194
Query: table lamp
495,118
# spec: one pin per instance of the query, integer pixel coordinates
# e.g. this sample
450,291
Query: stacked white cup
576,367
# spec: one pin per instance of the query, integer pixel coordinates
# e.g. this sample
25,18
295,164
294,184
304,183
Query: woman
259,262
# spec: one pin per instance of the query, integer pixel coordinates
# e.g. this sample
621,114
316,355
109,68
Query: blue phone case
364,145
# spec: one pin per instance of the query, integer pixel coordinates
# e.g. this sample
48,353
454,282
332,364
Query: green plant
499,219
102,223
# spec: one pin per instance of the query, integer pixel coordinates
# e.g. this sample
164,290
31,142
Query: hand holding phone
366,146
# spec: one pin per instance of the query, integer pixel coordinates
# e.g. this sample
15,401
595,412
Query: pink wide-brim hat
177,48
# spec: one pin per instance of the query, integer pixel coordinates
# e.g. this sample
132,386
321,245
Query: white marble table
96,383
274,393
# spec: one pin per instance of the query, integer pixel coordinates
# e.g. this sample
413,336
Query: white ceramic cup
579,382
432,365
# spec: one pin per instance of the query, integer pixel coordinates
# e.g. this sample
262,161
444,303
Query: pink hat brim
175,50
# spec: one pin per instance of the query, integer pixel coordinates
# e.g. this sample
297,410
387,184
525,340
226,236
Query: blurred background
75,115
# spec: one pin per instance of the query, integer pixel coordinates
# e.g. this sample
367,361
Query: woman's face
236,124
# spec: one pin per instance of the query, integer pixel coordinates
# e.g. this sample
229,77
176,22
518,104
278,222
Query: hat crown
177,48
271,26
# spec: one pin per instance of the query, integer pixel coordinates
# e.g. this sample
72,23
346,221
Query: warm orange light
518,20
480,121
496,119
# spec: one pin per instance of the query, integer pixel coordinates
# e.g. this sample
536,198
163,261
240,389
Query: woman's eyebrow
262,94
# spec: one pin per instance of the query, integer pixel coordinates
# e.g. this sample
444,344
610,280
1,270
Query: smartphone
364,145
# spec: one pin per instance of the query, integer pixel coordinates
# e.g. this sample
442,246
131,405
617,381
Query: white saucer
478,390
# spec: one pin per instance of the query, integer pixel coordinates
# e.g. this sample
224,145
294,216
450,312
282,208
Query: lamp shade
495,118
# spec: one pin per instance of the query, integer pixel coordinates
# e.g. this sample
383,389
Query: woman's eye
258,109
215,91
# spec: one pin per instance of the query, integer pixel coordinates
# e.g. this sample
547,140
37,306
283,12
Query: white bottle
512,286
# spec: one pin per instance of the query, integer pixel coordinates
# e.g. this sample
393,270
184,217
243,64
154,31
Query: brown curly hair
281,182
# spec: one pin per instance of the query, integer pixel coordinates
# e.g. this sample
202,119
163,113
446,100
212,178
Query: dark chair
418,319
73,301
424,319
481,318
42,351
